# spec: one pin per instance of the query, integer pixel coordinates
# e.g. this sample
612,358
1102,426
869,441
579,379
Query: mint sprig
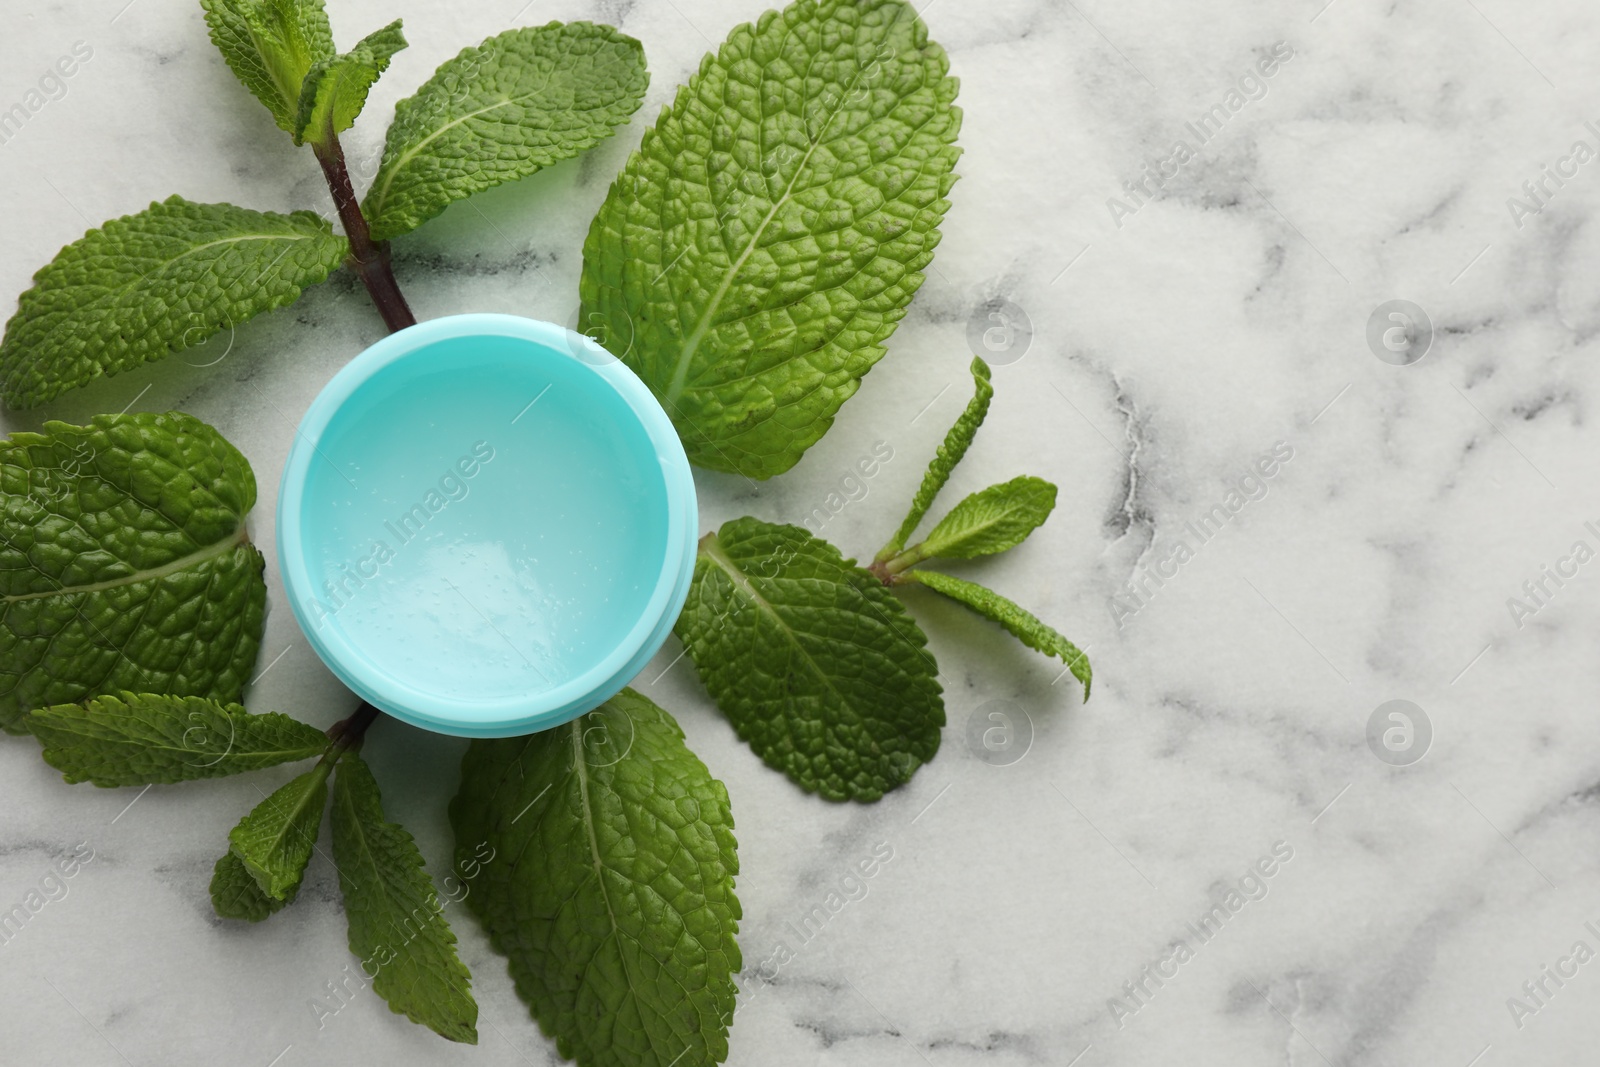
987,522
817,666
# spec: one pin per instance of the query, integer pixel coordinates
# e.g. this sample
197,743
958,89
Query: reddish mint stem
369,259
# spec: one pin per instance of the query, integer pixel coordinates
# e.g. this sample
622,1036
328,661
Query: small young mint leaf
136,739
270,45
397,925
817,665
518,102
125,563
275,840
993,520
766,238
955,446
156,282
335,90
235,894
606,862
1022,625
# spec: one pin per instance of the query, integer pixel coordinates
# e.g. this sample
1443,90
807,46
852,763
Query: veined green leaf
811,658
1022,625
518,102
955,446
609,885
767,236
270,45
993,520
275,840
397,924
235,894
125,563
136,739
335,90
156,282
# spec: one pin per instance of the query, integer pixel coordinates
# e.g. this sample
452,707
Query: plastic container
486,525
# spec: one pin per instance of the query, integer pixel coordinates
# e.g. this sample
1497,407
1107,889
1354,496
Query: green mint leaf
521,101
1023,625
1000,517
125,563
397,924
811,658
235,894
275,840
955,446
159,281
767,236
270,45
136,739
335,90
608,862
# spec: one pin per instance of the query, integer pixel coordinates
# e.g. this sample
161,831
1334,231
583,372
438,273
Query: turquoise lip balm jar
486,525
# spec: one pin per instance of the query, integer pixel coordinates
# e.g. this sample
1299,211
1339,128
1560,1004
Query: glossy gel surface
488,526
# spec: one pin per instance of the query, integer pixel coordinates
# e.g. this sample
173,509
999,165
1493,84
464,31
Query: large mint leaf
125,563
1023,625
275,840
993,520
397,924
335,90
235,894
136,739
955,445
815,663
152,283
516,103
609,884
270,45
764,240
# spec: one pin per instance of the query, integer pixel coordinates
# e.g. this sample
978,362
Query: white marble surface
1167,354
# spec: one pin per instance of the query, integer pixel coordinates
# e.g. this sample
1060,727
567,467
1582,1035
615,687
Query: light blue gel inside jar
486,525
